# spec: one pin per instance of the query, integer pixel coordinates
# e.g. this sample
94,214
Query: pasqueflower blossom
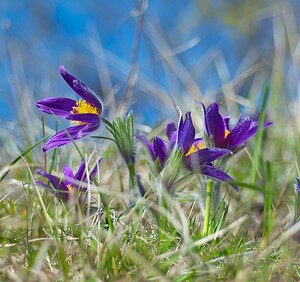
84,113
70,184
219,133
157,149
195,156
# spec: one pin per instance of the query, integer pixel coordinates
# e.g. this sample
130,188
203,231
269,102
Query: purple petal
79,180
41,183
81,89
218,174
87,94
186,134
53,191
60,187
160,150
81,173
254,123
215,124
171,128
56,106
204,156
68,175
180,122
62,138
88,118
148,144
55,181
198,140
172,141
226,122
253,130
237,135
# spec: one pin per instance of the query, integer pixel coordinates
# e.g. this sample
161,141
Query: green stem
259,137
163,218
107,212
267,221
132,175
215,195
207,207
132,181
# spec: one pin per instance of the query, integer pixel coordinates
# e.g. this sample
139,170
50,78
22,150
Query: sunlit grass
119,235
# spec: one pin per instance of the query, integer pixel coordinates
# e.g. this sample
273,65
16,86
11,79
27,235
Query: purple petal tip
62,69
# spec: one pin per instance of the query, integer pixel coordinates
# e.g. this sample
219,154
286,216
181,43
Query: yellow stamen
201,145
70,187
83,107
196,147
226,133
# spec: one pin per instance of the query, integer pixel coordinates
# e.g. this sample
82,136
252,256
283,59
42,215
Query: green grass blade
267,221
259,136
20,157
103,137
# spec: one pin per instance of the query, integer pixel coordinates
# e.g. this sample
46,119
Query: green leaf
123,136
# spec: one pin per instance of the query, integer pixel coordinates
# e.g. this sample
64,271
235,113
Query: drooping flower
219,133
71,184
196,157
84,113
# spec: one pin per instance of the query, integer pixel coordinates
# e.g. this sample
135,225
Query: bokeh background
174,51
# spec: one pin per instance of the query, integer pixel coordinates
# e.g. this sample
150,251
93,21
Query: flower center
199,146
70,187
83,107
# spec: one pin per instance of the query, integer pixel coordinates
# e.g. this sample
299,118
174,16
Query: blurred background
148,56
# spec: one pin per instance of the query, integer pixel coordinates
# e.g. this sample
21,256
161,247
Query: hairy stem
207,207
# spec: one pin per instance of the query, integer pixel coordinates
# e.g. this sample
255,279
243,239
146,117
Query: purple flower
84,113
183,137
185,133
157,149
70,184
195,156
219,133
199,159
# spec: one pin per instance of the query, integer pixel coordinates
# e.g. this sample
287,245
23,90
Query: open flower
221,135
195,157
84,113
70,184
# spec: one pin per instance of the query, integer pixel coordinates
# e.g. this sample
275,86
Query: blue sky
38,36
